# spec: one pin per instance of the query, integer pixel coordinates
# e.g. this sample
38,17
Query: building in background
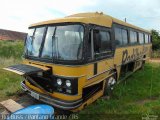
12,35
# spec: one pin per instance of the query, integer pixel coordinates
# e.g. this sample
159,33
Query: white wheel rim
111,82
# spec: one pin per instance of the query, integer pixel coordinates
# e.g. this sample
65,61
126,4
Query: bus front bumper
65,105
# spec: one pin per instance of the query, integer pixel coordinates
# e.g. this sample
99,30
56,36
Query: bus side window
121,37
118,37
102,43
133,37
146,38
141,38
125,36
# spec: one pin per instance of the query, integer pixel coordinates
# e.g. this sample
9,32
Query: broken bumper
65,105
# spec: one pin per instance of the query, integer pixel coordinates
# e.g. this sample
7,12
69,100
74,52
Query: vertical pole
92,45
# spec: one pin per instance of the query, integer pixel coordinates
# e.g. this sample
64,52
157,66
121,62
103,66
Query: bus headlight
65,85
59,81
68,83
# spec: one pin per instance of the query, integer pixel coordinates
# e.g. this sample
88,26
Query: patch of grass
156,54
10,54
134,97
9,82
11,49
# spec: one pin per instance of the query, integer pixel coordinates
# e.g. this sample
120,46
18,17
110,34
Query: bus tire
109,86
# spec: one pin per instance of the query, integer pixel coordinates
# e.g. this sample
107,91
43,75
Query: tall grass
156,54
11,49
10,54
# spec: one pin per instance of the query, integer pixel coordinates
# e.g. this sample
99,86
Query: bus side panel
125,55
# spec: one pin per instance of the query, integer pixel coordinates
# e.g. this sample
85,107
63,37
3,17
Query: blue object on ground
34,112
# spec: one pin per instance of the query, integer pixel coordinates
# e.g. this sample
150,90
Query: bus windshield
55,42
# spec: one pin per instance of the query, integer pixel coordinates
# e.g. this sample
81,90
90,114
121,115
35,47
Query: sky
17,15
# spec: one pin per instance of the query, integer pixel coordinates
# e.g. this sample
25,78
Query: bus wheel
109,86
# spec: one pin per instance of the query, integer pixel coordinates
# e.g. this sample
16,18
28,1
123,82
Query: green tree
155,40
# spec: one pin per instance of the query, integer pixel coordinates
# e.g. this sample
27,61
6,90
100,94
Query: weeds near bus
12,49
10,53
155,44
156,54
155,40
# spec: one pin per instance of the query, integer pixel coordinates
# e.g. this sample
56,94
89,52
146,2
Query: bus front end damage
41,84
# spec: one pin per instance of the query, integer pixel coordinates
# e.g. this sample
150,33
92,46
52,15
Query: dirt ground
154,60
24,100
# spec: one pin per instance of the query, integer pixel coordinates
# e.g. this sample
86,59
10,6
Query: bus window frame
101,28
139,32
115,25
134,31
127,36
122,28
100,54
115,37
146,34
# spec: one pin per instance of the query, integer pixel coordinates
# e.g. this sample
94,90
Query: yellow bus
71,62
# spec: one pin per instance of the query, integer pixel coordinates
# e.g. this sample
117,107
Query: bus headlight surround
68,83
59,81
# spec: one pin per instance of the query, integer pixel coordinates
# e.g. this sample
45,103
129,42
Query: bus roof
90,18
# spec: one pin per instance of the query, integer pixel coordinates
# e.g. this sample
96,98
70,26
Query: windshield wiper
53,41
54,47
